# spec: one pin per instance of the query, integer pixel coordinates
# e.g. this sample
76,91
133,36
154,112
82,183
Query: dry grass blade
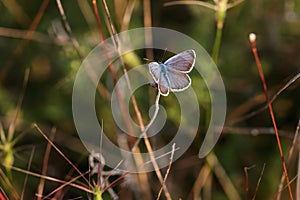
161,156
9,185
199,3
283,88
119,96
68,28
252,39
256,131
87,13
59,151
135,178
12,127
59,190
258,182
100,161
28,168
111,69
223,178
208,187
235,3
156,168
134,103
246,169
111,25
23,44
200,181
246,182
148,23
23,34
296,137
286,186
76,45
298,172
116,42
17,11
168,171
70,182
143,134
202,3
45,165
83,188
127,15
115,181
98,22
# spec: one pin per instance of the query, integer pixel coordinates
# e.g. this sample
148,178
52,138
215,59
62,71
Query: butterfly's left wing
178,81
159,77
183,62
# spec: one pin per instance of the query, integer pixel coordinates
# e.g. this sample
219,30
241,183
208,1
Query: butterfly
172,74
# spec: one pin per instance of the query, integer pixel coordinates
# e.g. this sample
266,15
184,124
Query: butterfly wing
183,62
178,81
159,77
154,69
173,76
163,85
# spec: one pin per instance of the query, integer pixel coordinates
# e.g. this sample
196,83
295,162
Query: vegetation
42,47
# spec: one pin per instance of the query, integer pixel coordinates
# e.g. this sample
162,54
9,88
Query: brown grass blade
223,178
168,171
45,165
12,125
26,177
252,38
291,151
258,182
60,152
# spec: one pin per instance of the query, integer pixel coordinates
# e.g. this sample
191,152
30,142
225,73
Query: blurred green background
53,61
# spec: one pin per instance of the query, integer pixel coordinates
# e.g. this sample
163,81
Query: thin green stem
220,16
217,44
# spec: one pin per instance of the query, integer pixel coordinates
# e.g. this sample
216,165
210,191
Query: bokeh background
35,40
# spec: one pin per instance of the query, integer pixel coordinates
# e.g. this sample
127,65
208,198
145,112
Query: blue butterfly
172,74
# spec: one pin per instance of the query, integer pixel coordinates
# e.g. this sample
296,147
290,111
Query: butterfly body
163,69
172,74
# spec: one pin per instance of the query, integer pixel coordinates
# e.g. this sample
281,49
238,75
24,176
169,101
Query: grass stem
252,38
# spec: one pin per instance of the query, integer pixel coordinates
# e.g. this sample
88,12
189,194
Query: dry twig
252,38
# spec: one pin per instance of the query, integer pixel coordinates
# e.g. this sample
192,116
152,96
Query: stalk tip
252,37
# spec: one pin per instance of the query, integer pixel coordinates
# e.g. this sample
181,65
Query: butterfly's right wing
154,69
183,62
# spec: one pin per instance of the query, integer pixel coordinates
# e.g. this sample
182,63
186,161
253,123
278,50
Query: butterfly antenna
163,56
